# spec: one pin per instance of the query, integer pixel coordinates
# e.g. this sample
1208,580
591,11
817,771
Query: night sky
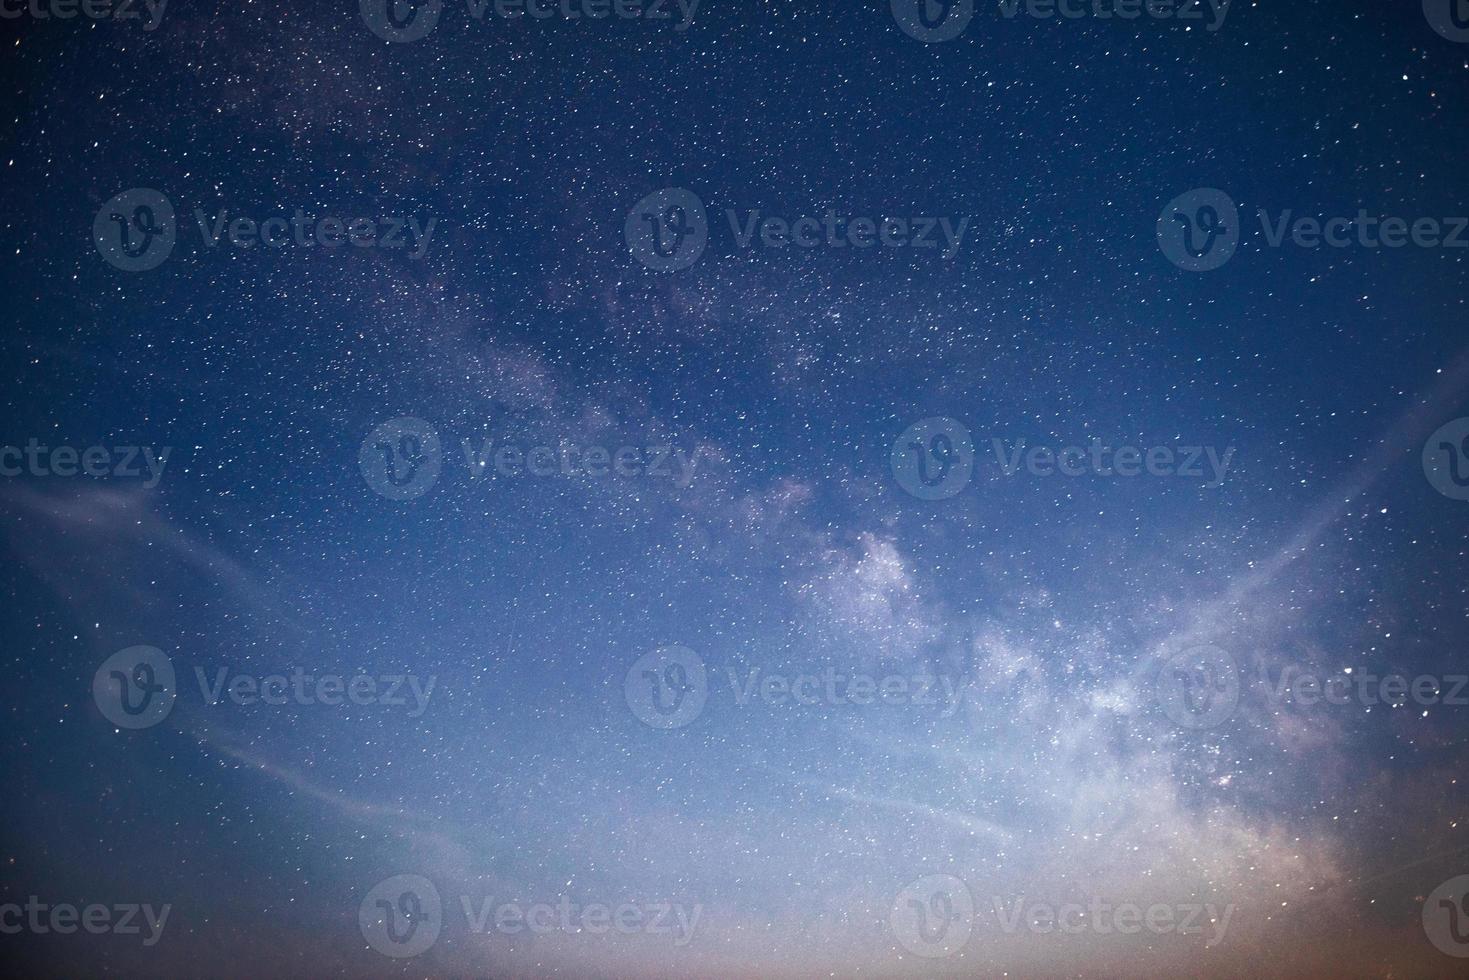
769,489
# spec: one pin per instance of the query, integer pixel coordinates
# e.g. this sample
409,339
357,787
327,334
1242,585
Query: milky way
629,488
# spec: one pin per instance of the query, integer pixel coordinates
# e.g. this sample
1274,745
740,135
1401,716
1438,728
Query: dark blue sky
565,689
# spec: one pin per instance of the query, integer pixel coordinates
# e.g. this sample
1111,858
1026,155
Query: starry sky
565,619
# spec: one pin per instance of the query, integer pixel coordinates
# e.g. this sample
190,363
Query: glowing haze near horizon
1049,602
